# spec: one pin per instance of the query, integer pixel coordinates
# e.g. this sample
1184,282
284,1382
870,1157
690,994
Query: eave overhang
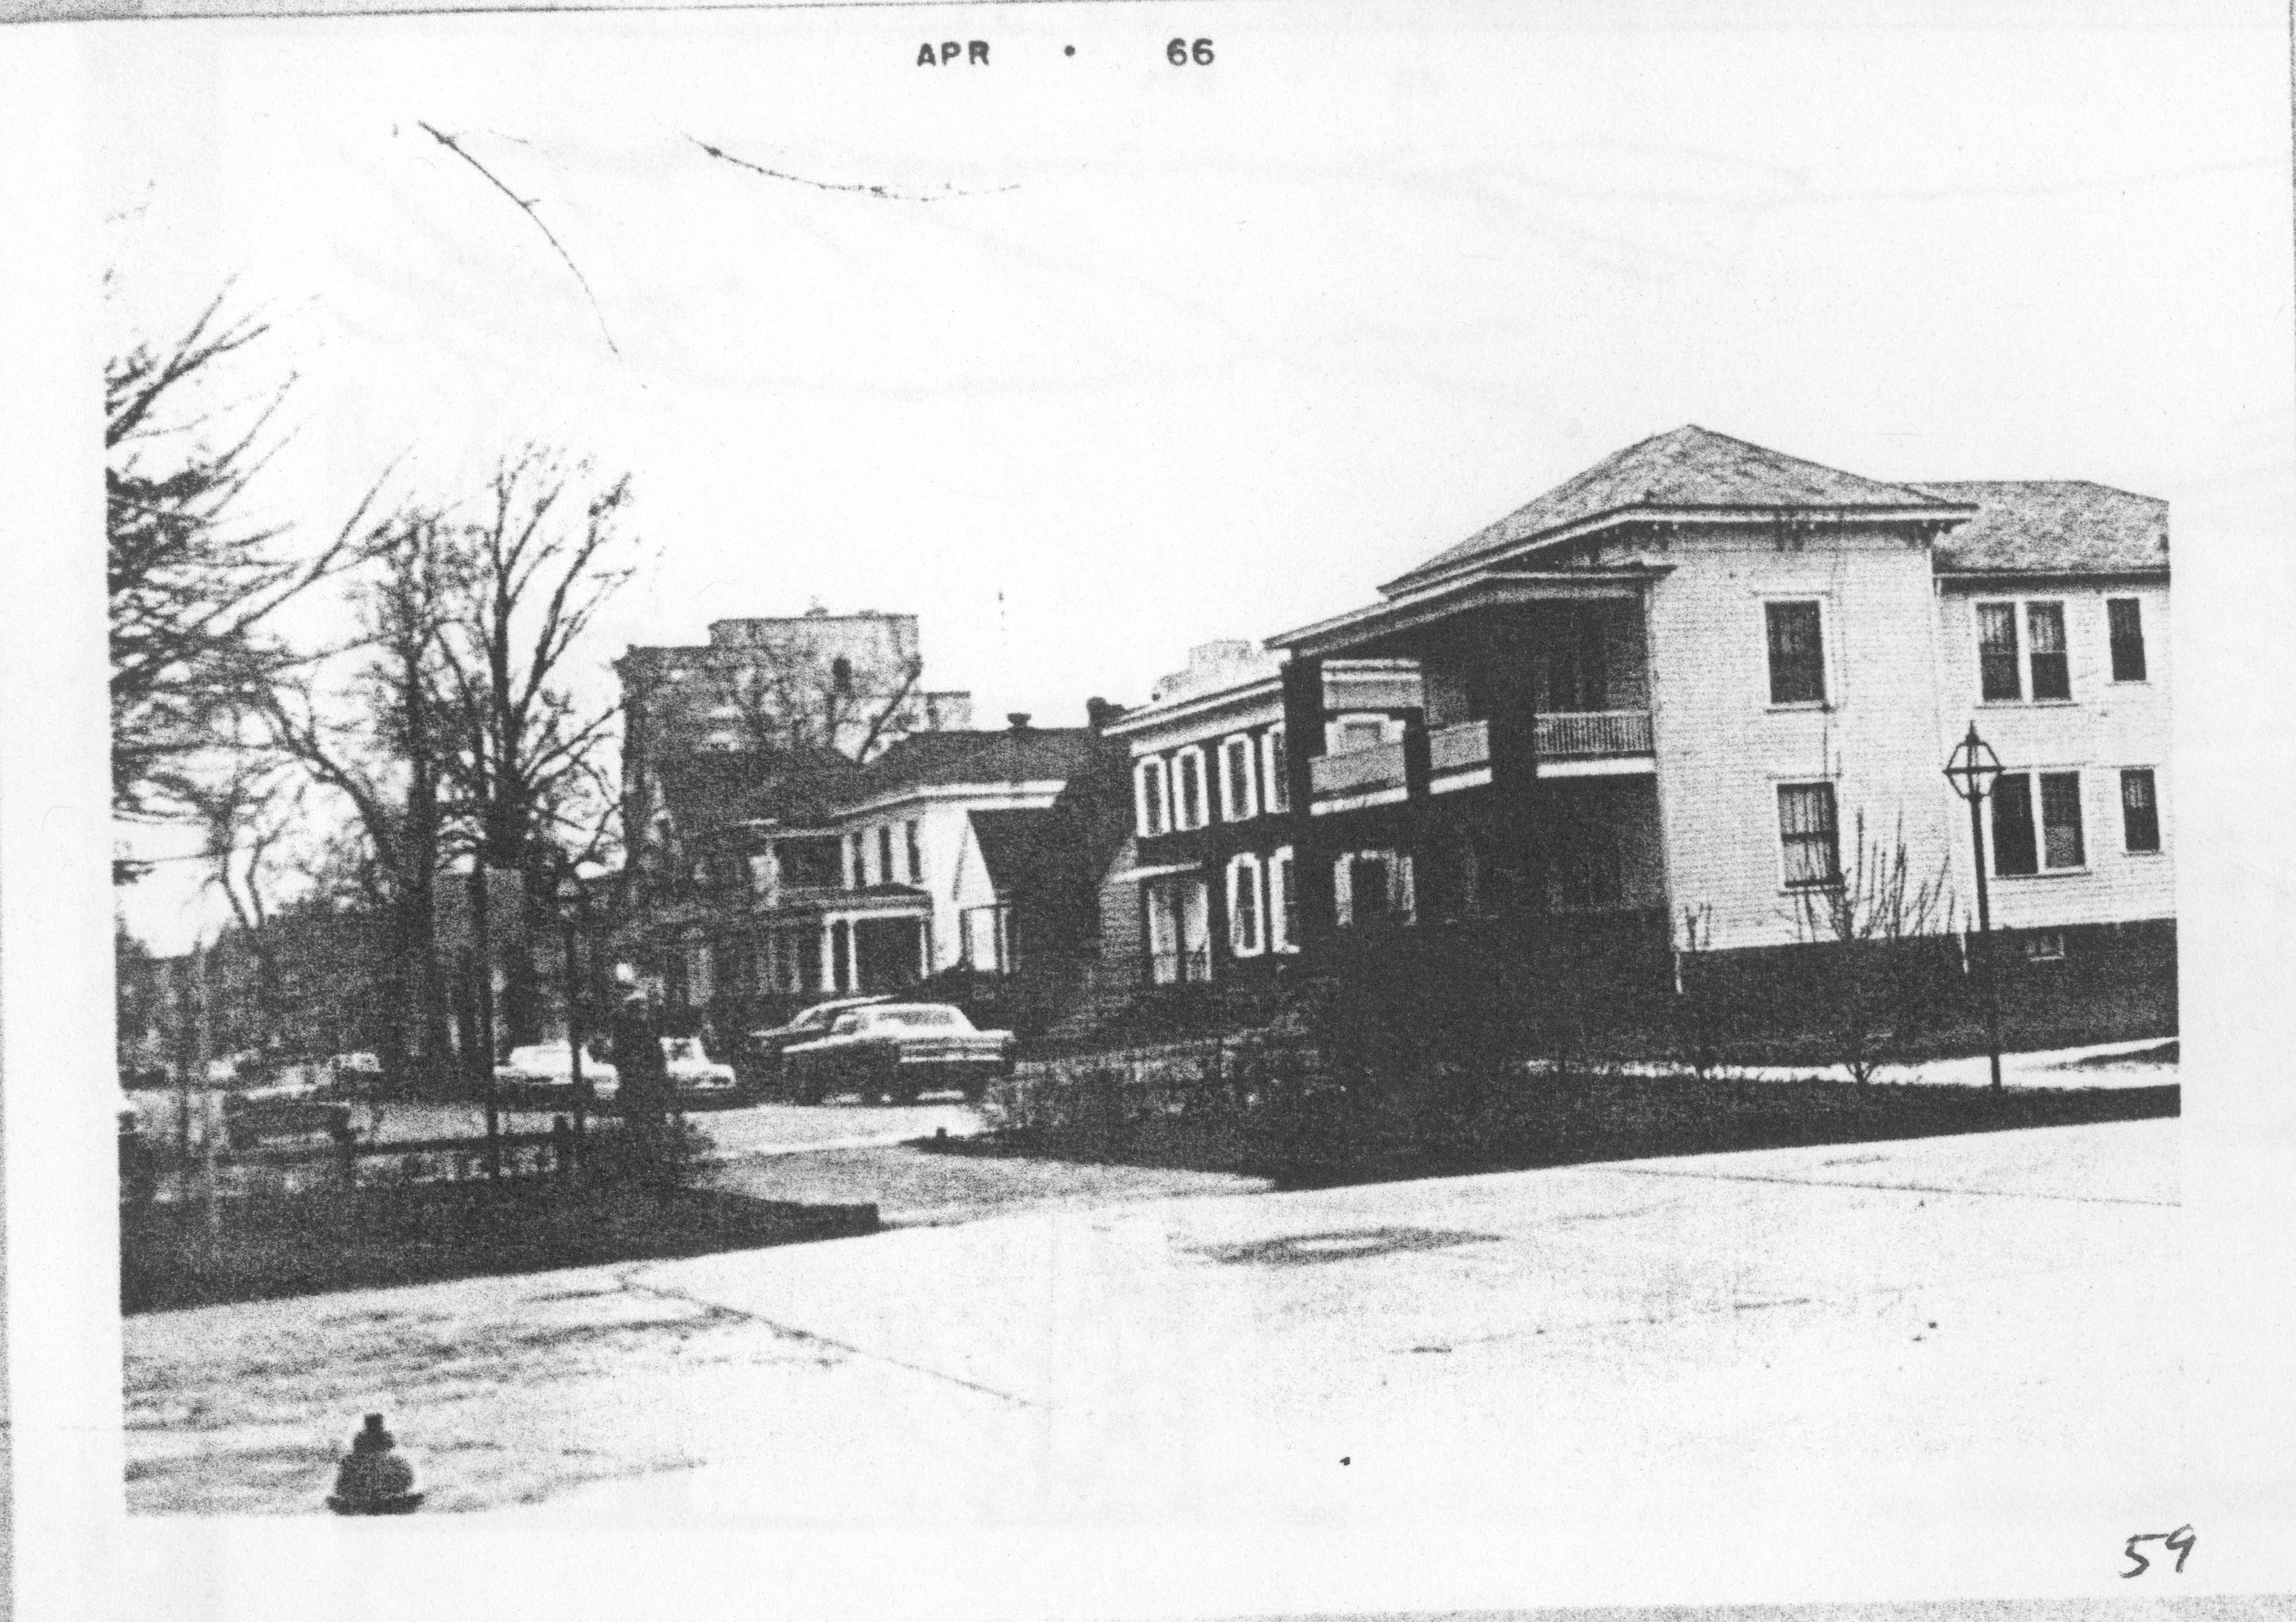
1486,589
1942,514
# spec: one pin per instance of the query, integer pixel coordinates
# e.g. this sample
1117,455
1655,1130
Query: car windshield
684,1050
925,1018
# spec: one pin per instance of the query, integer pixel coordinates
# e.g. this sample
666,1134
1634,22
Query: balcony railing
1459,749
1467,746
1359,771
1609,732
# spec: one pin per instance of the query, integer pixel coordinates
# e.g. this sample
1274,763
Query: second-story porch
1528,678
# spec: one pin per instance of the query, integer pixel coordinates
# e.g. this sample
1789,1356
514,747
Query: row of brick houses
1656,707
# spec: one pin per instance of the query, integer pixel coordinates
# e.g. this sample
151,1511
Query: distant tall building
801,698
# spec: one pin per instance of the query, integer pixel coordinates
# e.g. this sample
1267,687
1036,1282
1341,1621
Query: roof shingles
2067,526
1689,468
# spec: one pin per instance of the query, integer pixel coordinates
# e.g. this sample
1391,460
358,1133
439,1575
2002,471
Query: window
1277,769
1190,806
850,845
1998,674
2140,812
916,857
2017,851
885,854
1797,653
2001,671
2014,849
2046,947
2125,620
1810,833
1179,945
2045,626
1282,904
1239,790
1246,925
2061,820
1370,887
1152,796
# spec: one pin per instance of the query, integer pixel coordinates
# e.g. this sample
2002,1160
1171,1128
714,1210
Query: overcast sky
1175,353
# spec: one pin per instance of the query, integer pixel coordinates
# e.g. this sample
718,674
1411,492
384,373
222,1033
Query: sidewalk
2149,1063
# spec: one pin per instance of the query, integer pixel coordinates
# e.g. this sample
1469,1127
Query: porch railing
1459,749
1359,771
1611,731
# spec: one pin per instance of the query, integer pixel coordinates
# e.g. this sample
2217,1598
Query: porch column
1517,799
828,956
1311,857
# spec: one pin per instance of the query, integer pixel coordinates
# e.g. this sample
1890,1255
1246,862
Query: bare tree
532,573
522,766
194,579
1883,931
386,761
250,816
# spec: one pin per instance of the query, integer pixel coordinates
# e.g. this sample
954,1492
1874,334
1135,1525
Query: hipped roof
1689,468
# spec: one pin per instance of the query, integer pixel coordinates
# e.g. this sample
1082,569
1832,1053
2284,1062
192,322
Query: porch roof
1445,599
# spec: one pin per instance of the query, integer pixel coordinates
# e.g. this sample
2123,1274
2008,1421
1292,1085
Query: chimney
1099,712
1019,720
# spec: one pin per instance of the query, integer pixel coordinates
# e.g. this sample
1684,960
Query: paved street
1974,1319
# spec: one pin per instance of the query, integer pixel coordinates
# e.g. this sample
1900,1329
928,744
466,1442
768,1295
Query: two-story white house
952,849
1664,704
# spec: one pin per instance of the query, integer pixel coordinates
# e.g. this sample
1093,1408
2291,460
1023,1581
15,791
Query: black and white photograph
1148,809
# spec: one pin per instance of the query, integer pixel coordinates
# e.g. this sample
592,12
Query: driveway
1973,1321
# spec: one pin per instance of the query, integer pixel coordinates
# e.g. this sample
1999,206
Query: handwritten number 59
2181,1540
1180,53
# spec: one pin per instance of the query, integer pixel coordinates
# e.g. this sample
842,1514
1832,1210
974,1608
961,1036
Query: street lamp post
1972,769
570,896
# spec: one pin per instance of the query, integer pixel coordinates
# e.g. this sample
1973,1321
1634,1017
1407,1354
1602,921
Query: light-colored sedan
694,1075
542,1075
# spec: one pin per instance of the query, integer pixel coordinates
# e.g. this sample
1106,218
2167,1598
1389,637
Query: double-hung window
1247,921
1282,904
1810,834
2140,812
885,853
1999,679
1191,806
2004,669
2022,845
1239,790
1151,798
2125,623
2045,628
1275,766
1797,651
916,857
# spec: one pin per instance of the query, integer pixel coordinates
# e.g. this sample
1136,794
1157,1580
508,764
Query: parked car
760,1059
694,1075
541,1076
286,1113
898,1050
